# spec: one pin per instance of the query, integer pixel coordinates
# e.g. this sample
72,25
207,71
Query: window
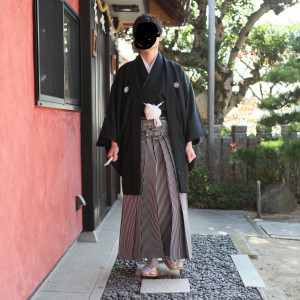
57,55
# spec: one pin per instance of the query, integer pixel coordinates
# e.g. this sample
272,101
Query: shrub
267,160
220,195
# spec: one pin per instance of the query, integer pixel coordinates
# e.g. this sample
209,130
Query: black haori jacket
122,122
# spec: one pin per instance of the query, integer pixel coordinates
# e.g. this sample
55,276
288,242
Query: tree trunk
223,92
223,95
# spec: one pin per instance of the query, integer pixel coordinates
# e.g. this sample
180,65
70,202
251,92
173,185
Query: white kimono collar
148,68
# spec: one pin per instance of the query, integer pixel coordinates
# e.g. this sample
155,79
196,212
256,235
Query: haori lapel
140,73
155,80
171,96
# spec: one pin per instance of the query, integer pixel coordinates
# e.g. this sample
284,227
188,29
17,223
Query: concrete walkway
85,269
222,222
281,229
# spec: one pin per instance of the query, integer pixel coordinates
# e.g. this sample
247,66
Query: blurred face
147,36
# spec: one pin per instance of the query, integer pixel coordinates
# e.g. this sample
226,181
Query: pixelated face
145,35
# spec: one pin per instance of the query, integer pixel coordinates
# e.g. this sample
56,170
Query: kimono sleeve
194,125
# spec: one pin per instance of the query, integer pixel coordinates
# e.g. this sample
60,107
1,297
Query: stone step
242,245
272,293
247,271
165,286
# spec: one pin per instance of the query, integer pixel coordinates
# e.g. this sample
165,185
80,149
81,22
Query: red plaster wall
40,164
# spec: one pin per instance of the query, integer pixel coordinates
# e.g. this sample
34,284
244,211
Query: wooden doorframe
94,211
86,125
113,182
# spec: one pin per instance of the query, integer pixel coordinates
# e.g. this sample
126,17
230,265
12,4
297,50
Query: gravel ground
211,273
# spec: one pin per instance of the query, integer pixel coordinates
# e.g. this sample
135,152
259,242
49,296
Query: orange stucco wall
40,164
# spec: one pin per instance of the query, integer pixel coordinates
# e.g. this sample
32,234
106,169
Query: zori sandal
150,271
174,265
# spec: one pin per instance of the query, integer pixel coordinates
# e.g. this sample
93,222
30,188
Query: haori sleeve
111,125
194,125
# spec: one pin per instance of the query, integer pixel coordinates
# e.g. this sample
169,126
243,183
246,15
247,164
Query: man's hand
190,153
113,151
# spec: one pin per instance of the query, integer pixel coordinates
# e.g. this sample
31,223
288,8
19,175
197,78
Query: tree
235,22
286,75
268,160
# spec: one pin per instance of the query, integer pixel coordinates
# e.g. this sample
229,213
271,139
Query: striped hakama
155,224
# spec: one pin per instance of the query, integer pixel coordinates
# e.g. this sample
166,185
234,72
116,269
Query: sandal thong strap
172,265
150,271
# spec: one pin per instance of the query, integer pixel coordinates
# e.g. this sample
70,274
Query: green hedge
268,159
220,195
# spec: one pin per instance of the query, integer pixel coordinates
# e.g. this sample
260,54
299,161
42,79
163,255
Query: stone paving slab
79,270
272,293
242,245
281,229
222,222
165,286
104,275
61,296
247,271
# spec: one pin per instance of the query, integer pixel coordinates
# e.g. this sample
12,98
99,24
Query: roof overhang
169,12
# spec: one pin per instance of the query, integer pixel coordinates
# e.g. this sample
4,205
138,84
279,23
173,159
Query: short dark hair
146,18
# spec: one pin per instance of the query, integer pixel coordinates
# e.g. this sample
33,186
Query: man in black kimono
153,79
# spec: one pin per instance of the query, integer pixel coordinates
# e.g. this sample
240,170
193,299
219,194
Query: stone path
211,273
222,222
281,229
84,271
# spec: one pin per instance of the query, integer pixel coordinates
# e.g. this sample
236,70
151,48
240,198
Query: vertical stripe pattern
155,224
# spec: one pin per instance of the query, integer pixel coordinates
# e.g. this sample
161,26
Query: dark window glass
57,55
71,50
51,45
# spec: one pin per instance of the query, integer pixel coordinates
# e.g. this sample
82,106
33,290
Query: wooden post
211,88
258,200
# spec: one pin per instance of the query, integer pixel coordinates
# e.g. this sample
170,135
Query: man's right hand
113,151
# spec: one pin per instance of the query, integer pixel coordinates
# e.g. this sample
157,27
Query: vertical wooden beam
211,86
86,115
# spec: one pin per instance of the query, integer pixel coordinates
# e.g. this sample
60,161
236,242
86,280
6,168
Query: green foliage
295,41
262,161
286,99
259,154
282,119
267,159
264,38
291,151
221,195
294,127
286,73
225,130
198,176
184,41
